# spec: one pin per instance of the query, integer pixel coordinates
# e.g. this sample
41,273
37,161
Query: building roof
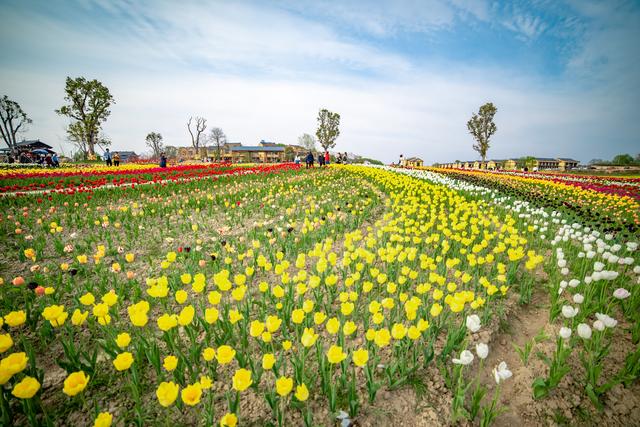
568,160
546,159
257,148
267,143
32,142
232,144
413,159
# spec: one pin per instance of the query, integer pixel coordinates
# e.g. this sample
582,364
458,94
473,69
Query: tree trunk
91,143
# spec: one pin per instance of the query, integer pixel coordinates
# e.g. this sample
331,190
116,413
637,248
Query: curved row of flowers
592,288
86,183
607,211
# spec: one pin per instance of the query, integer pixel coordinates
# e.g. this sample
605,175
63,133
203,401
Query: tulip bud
565,332
584,331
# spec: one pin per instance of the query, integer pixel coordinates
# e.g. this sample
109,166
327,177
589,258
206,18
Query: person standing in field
163,160
107,157
326,157
310,160
320,159
296,160
116,159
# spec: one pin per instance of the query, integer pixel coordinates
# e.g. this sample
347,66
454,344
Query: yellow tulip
225,354
360,357
335,354
123,361
242,379
191,394
167,393
75,383
26,388
284,386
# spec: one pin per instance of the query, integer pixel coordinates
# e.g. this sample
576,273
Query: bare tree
13,120
154,141
307,141
218,139
200,126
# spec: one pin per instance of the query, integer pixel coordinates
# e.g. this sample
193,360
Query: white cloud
260,72
529,27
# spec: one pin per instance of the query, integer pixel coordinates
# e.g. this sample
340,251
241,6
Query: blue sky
404,75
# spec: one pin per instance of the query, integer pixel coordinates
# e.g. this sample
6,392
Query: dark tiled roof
568,160
32,142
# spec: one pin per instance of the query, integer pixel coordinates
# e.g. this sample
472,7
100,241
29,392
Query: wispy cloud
404,75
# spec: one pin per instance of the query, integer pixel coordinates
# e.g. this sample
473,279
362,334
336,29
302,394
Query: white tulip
636,269
473,323
598,325
466,357
608,321
569,312
574,283
598,266
564,271
584,331
578,298
482,350
501,372
621,293
564,332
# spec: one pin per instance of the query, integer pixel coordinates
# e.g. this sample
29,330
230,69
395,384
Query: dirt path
521,326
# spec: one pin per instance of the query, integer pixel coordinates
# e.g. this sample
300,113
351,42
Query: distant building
28,145
127,156
257,154
411,162
539,163
567,164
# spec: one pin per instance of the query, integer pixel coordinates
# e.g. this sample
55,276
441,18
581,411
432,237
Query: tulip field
217,294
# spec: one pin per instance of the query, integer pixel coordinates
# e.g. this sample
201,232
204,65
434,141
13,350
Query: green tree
88,102
623,159
77,135
482,127
12,120
307,141
526,162
154,141
328,128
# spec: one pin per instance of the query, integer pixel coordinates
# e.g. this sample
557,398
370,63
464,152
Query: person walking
310,160
107,157
116,159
